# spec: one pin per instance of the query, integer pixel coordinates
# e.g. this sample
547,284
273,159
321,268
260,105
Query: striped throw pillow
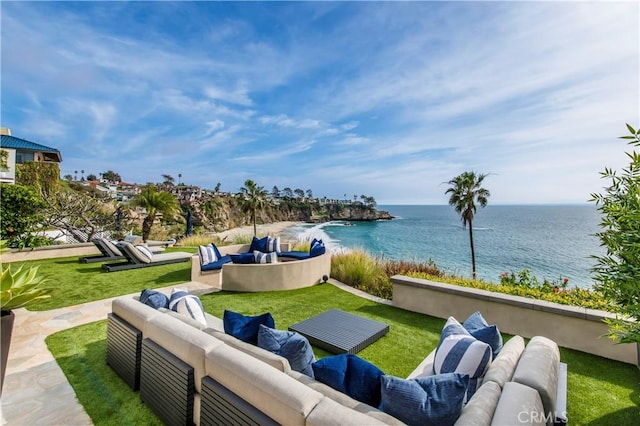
273,245
187,304
207,254
461,353
145,252
261,257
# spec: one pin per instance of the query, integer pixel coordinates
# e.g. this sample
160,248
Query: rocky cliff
218,213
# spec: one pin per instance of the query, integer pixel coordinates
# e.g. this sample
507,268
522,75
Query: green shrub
20,215
359,270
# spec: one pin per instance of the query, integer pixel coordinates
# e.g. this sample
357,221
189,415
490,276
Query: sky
386,99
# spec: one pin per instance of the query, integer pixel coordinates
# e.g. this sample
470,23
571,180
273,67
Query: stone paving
36,391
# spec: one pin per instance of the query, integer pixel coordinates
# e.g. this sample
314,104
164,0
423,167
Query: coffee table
339,332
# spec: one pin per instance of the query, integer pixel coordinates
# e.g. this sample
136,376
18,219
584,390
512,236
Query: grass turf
601,391
72,282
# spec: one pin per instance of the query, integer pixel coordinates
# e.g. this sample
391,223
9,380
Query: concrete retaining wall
569,326
50,252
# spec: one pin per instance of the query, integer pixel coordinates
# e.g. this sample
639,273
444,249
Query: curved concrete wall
569,326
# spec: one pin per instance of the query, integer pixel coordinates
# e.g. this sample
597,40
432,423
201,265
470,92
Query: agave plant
20,287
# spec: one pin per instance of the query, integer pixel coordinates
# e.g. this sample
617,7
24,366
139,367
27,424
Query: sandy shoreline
273,229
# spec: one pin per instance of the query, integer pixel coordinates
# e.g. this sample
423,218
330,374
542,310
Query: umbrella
119,219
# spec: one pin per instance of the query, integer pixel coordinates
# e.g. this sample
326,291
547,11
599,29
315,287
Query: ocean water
551,241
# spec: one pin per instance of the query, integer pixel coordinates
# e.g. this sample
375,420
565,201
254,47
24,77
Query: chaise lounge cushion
291,345
352,375
428,400
246,327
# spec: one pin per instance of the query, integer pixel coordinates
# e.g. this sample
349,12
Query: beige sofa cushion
186,342
276,361
344,399
518,405
277,395
502,368
212,322
538,368
480,408
425,368
329,412
133,311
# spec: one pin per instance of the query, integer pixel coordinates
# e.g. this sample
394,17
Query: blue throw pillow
245,327
291,345
351,375
317,249
259,244
243,258
155,299
431,400
478,327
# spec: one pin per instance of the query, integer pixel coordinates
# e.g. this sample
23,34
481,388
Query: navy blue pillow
155,299
244,258
351,375
317,249
246,327
289,344
481,330
259,244
430,400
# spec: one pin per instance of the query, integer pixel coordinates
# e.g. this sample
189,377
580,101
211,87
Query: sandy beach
273,229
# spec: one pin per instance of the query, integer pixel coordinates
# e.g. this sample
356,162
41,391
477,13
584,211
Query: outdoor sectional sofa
286,274
188,373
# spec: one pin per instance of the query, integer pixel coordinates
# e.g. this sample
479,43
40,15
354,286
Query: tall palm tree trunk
255,231
473,252
147,223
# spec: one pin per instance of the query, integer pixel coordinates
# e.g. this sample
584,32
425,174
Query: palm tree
466,189
253,198
155,202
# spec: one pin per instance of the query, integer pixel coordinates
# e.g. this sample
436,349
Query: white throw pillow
187,304
145,251
207,254
261,257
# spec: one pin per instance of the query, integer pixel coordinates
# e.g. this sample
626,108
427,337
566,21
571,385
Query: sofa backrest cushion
479,410
538,368
133,311
518,404
352,375
277,395
345,400
243,258
184,341
274,360
436,399
503,366
329,412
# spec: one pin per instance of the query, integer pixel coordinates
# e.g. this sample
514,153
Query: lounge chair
109,251
136,259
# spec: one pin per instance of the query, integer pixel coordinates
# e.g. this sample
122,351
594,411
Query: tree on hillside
253,199
309,194
217,188
92,177
275,192
68,178
168,180
288,193
156,203
111,176
299,193
618,271
466,189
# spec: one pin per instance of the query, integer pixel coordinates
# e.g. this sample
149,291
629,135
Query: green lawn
72,282
601,391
